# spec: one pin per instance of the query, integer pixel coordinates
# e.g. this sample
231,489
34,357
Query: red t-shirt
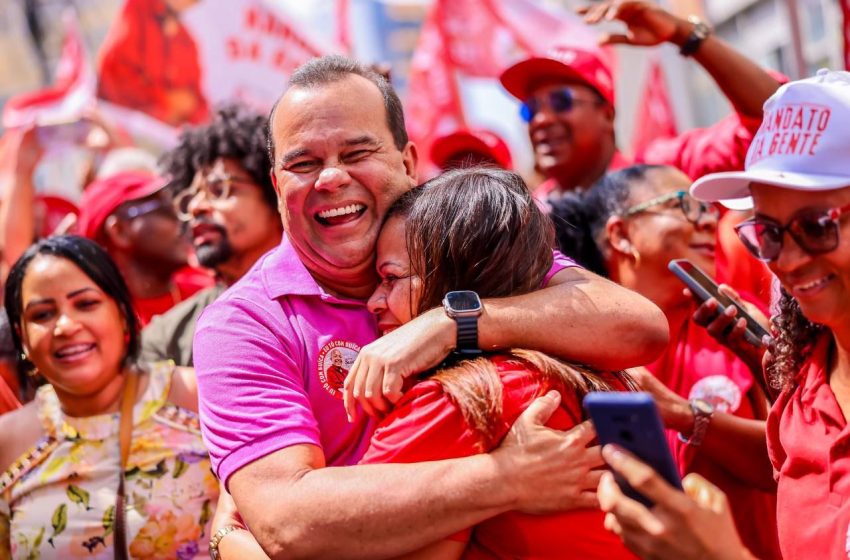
694,365
8,400
187,282
809,445
426,425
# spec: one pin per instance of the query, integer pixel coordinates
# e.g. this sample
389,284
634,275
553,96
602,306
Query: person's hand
647,23
550,470
728,329
694,524
377,376
675,410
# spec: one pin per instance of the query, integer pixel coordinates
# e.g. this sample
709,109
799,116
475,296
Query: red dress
426,425
809,444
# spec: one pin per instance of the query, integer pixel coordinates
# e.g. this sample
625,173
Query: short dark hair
333,68
235,131
477,229
95,263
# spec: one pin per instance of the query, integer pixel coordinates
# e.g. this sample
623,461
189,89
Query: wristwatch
465,308
703,410
216,539
698,34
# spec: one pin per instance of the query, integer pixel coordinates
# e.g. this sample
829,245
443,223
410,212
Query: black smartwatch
465,308
700,33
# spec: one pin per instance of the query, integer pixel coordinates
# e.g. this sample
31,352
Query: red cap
102,197
52,210
471,140
562,61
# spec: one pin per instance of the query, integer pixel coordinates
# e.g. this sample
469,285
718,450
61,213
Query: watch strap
467,335
698,34
216,539
701,422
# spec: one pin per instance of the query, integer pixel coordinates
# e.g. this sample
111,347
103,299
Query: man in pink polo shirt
267,350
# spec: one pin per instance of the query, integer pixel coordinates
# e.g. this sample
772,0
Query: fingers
541,409
706,312
644,479
731,292
616,39
704,493
626,514
373,389
348,398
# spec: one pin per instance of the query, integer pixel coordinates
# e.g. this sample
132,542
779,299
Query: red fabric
141,67
736,266
8,401
655,117
187,281
103,196
426,425
691,357
808,441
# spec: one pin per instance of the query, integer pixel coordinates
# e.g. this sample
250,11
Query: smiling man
274,425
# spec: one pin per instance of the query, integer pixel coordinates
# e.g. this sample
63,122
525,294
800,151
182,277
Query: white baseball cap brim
732,188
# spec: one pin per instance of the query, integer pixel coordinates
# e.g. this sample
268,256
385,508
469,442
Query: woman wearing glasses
633,222
801,199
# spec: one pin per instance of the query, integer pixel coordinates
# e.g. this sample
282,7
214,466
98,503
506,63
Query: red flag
655,117
71,93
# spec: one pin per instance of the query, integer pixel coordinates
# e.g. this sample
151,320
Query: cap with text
802,143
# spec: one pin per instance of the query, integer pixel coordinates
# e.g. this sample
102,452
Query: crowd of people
279,341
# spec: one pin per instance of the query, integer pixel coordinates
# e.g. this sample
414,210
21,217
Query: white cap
803,143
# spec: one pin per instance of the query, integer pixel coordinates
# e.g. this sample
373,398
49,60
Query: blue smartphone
631,421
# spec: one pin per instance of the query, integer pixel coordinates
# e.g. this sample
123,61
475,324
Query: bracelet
216,539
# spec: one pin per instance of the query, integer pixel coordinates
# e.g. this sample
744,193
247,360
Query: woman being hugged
107,460
480,230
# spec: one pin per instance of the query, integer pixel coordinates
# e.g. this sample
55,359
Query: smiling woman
102,428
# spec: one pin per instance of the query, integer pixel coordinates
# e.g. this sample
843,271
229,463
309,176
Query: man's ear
115,232
410,158
617,236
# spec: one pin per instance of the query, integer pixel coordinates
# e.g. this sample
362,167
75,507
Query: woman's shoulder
20,429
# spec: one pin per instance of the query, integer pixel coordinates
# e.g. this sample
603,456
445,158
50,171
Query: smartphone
73,133
631,421
703,287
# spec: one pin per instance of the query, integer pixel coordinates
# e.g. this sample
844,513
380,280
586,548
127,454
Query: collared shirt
267,356
809,444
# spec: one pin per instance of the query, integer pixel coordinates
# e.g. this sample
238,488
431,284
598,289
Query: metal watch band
216,539
701,422
467,334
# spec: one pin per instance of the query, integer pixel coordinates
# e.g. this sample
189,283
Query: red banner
655,118
845,13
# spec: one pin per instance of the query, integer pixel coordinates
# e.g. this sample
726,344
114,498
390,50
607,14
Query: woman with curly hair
798,175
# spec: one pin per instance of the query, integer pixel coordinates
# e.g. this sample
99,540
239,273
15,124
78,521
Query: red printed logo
793,129
335,359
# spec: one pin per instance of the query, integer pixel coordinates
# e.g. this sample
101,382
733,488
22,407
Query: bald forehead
348,92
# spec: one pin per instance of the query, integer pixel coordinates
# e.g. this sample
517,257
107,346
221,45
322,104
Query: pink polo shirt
271,354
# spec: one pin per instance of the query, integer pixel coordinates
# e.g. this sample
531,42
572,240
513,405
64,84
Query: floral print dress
60,496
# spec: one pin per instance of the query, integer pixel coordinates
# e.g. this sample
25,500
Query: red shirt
187,282
8,400
809,445
696,366
426,425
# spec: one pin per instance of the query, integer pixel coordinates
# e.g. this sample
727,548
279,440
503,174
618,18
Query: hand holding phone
703,288
631,421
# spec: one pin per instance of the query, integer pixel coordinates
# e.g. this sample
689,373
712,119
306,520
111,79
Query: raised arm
20,154
580,317
745,83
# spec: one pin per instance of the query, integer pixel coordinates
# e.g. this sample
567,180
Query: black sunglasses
815,231
560,100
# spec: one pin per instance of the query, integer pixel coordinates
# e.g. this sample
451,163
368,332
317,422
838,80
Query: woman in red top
479,229
635,221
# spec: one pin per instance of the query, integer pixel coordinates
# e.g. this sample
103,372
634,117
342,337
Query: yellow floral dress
60,495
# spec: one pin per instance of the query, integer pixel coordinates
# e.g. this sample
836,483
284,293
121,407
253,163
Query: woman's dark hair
795,340
236,132
580,218
480,229
95,263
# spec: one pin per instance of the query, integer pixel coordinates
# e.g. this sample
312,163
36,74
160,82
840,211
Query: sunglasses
814,231
693,210
560,101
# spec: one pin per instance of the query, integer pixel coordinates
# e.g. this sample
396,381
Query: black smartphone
703,287
631,421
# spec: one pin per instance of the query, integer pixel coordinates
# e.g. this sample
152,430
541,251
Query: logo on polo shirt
719,390
335,359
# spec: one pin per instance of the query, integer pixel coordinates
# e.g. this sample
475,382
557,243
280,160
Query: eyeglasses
559,100
815,231
134,211
216,188
693,210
